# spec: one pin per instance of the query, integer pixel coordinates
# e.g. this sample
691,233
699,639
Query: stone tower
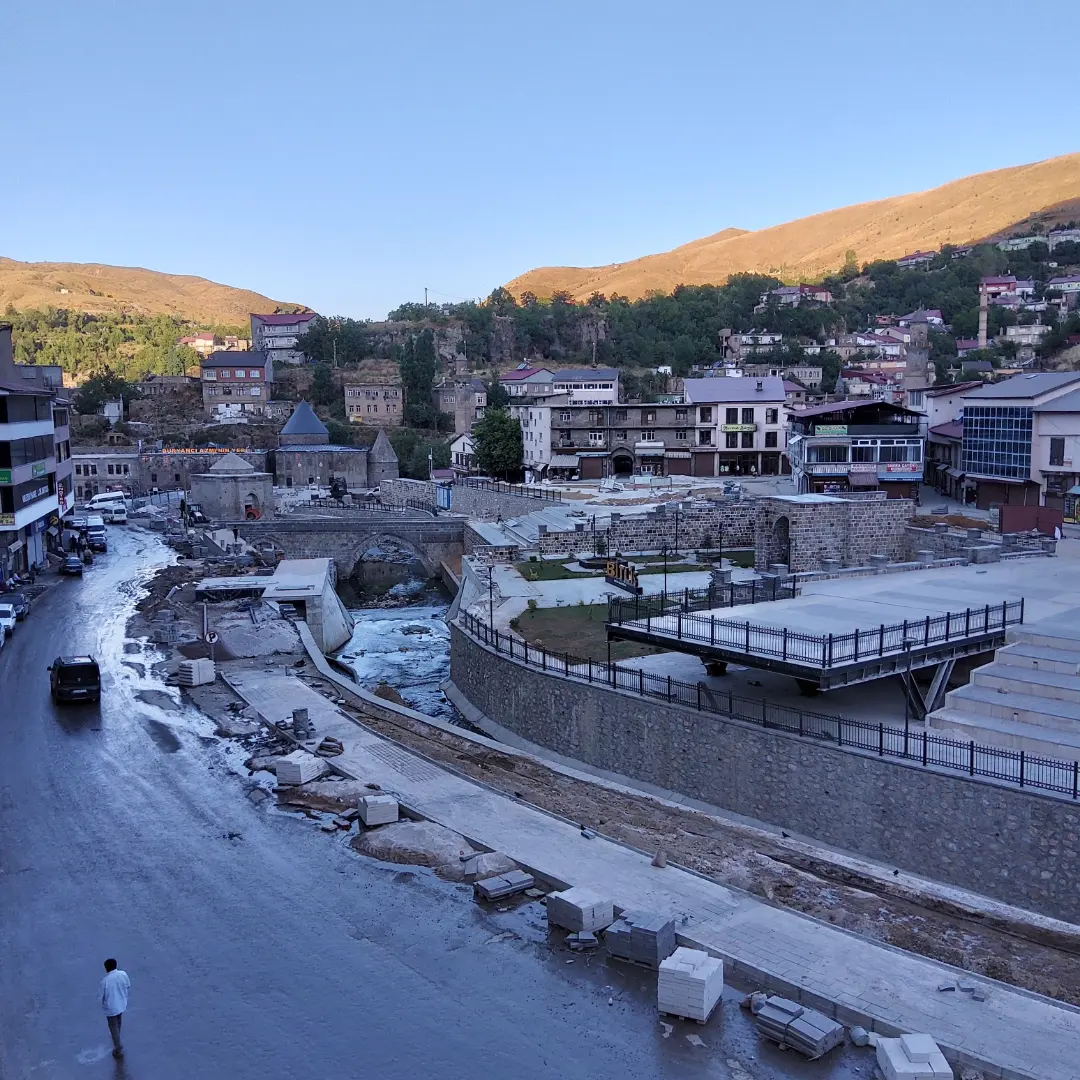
382,461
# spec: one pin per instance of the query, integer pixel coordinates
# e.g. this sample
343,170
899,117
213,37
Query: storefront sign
622,574
839,469
738,427
37,493
38,469
863,466
61,497
200,450
831,429
7,519
5,476
907,468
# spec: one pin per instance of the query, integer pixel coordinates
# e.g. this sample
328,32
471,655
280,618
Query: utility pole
491,597
425,296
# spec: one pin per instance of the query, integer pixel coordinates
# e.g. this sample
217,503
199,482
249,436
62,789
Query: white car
7,619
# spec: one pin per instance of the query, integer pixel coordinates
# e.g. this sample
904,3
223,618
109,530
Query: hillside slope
960,212
101,289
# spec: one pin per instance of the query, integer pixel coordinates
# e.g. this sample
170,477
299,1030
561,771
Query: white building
739,425
277,334
534,417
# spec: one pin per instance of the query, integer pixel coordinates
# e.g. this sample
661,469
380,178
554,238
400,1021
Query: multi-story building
376,400
463,399
582,385
916,258
105,468
277,335
30,415
155,386
856,446
235,383
1021,439
738,425
1063,236
808,374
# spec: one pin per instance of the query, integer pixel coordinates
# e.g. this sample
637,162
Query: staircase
1028,698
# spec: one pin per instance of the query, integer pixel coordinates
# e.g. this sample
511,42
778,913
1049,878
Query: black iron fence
733,593
508,489
817,650
371,505
912,743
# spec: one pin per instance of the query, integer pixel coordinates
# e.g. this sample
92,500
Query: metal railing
368,505
731,594
508,489
913,744
819,650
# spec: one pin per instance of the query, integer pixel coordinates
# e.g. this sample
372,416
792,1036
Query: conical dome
304,427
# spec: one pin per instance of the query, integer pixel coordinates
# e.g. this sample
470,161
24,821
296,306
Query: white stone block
895,1063
378,810
299,767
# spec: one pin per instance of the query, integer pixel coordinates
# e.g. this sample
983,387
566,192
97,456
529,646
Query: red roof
954,429
519,373
285,320
1009,280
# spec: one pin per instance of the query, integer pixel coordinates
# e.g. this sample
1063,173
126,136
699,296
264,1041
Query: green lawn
552,570
578,630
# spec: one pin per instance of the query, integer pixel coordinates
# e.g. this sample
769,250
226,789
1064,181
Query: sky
346,154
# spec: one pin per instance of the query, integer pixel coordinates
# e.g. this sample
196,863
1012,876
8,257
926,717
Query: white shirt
114,992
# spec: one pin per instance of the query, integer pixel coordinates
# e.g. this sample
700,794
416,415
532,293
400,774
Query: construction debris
302,726
421,843
582,941
579,909
329,747
486,865
690,984
503,885
299,767
378,810
912,1057
810,1032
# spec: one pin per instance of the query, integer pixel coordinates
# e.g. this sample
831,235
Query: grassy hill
974,208
101,290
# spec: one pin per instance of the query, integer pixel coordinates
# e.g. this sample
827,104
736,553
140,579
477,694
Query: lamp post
907,691
663,551
491,597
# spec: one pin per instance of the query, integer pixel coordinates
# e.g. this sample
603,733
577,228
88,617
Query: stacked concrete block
579,909
641,937
299,767
690,984
195,672
788,1023
503,885
912,1057
378,810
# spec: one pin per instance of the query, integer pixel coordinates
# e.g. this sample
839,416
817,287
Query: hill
964,211
101,290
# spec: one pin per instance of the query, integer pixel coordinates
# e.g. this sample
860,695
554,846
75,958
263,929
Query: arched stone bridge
346,539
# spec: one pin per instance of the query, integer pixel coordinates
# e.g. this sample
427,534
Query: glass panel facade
997,441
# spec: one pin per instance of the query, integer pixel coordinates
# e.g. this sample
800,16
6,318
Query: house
1069,285
154,386
809,375
966,345
794,394
104,468
236,383
305,456
738,426
961,252
374,399
1025,335
463,399
865,384
1021,439
856,446
463,455
276,335
113,411
931,316
527,381
583,385
204,342
916,258
1063,236
1007,285
1020,243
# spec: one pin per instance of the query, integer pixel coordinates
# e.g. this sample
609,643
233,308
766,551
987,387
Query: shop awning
1074,490
677,453
563,461
862,479
17,546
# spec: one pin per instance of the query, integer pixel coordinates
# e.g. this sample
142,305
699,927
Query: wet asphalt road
277,952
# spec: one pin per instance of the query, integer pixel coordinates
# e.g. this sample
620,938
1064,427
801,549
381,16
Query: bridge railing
508,489
914,745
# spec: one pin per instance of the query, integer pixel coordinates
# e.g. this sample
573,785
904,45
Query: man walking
114,1000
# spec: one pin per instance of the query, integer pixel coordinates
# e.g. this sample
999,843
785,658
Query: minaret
983,302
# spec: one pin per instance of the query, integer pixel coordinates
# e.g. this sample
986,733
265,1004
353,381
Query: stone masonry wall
1014,845
397,492
486,505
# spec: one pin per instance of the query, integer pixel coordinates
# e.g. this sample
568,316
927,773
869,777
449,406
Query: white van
115,514
106,498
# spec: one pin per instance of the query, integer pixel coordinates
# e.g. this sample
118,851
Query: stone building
305,456
463,399
376,400
233,490
235,383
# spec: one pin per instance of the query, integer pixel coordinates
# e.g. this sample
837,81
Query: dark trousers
114,1030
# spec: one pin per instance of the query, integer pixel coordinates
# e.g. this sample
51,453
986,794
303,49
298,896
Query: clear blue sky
345,154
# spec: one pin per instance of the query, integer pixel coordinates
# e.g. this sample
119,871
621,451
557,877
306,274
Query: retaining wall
1011,844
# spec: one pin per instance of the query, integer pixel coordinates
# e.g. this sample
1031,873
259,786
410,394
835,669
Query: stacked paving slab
690,984
1028,698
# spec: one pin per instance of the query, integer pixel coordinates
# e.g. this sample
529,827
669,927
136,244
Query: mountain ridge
98,289
973,208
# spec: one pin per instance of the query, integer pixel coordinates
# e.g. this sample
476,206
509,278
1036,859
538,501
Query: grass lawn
552,570
578,630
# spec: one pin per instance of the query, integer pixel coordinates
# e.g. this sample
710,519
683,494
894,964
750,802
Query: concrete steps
993,731
1056,636
1018,708
1033,682
1024,655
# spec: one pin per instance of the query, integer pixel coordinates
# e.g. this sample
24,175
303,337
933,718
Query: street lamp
663,551
491,597
908,642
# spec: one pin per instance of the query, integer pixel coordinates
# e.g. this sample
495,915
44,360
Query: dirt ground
782,874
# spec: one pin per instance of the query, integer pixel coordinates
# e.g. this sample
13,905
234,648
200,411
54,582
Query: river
400,637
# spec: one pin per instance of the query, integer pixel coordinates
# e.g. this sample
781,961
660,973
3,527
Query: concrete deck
1012,1034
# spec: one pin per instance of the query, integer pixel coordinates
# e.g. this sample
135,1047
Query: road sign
211,637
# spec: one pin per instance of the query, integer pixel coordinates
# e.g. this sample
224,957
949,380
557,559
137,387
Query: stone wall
477,545
1014,845
484,504
685,527
399,492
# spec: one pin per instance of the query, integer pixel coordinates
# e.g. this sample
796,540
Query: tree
419,364
93,393
497,397
322,390
497,438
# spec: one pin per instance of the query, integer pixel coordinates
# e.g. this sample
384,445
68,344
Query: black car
96,540
19,602
75,678
72,564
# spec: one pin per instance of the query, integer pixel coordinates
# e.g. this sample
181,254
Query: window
680,414
997,441
648,416
772,416
621,433
705,415
1057,451
78,470
864,452
209,375
704,438
153,478
731,416
731,440
826,454
564,417
647,434
620,416
680,434
225,373
127,470
748,440
241,373
93,470
176,478
110,470
770,440
253,373
256,391
596,438
748,416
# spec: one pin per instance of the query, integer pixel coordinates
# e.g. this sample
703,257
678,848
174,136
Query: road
257,946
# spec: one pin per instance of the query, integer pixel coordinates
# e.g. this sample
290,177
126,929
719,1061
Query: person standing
114,1000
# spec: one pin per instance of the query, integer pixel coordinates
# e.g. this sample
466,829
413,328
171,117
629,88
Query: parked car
72,564
75,678
96,539
7,619
115,515
20,603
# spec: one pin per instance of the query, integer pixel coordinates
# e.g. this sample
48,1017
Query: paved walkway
1012,1034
